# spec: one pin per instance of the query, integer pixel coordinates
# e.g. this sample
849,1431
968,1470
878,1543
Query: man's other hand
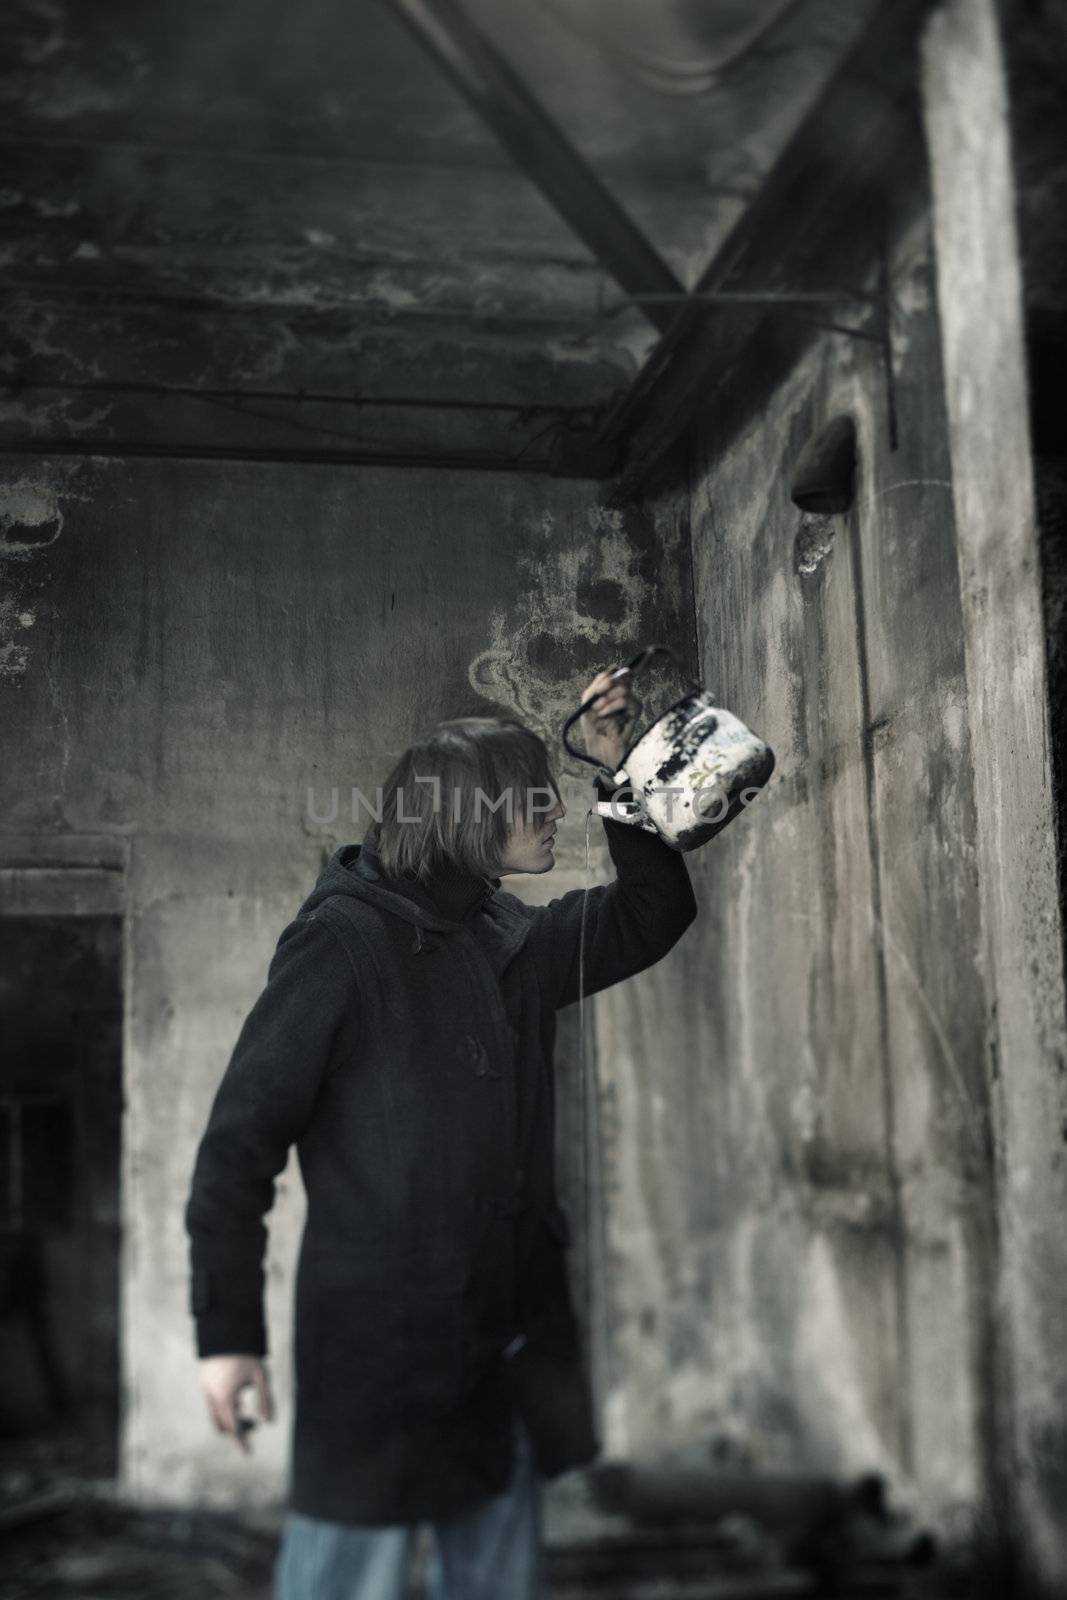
222,1378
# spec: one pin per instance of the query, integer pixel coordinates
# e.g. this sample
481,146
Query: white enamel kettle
690,773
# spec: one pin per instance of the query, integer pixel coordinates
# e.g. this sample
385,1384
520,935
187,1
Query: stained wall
804,1232
196,647
833,1126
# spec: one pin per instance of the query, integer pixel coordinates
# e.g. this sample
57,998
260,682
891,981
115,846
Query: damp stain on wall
15,621
31,516
31,519
588,595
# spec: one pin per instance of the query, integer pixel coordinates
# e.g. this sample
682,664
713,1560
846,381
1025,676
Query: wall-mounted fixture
825,478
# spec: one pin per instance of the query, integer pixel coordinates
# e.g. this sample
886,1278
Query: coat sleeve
262,1105
629,924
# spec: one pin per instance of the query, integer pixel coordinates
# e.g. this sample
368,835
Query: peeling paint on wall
31,517
814,543
912,287
587,594
14,621
31,520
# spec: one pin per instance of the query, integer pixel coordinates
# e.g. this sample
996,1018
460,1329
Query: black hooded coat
404,1042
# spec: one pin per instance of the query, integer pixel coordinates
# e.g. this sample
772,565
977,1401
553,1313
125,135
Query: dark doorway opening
60,1146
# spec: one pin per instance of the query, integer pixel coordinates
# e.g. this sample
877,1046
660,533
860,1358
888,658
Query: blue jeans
492,1552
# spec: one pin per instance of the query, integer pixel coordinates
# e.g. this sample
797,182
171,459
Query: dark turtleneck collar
451,890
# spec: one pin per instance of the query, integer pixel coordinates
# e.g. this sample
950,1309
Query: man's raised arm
629,924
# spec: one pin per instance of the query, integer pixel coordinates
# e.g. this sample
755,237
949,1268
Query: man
404,1044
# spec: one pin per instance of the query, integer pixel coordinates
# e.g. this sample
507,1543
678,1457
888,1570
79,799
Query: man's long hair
456,792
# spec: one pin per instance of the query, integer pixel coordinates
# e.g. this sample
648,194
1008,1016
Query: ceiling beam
405,455
836,172
541,149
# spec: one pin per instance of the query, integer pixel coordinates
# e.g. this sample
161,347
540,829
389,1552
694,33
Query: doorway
60,1146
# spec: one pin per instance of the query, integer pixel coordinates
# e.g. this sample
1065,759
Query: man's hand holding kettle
606,723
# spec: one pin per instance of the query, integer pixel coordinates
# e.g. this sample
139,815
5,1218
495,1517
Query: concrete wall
804,1232
980,285
1034,44
834,1125
192,646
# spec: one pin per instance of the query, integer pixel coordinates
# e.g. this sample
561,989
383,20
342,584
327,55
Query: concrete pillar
980,295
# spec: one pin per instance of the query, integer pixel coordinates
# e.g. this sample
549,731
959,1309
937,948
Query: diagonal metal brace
542,150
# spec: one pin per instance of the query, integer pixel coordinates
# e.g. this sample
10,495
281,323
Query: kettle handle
630,666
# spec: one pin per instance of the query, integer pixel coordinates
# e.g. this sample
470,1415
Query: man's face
530,843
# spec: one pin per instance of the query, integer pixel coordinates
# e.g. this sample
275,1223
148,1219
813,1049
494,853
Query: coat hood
355,872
